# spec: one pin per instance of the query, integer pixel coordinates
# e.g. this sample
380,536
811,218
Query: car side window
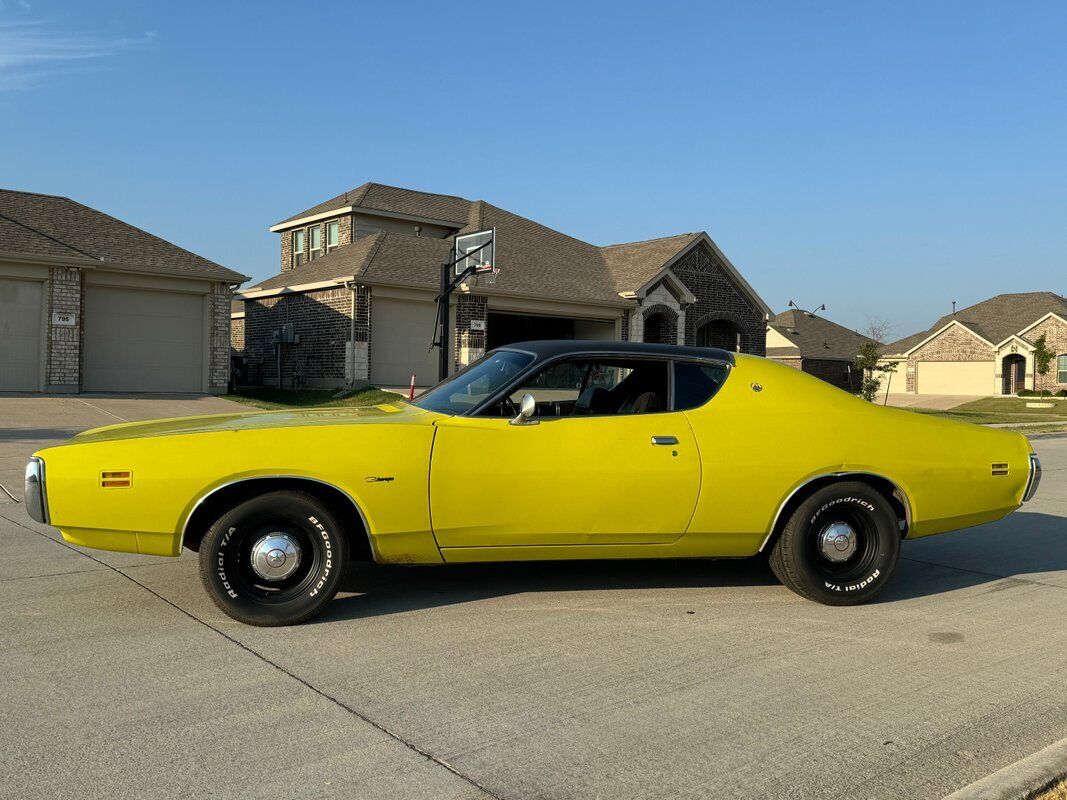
696,383
592,387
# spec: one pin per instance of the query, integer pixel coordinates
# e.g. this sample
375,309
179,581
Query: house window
316,242
1061,369
333,235
298,248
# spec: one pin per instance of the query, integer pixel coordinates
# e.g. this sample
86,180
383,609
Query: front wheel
274,559
840,546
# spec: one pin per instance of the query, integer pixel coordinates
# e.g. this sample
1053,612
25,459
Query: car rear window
696,383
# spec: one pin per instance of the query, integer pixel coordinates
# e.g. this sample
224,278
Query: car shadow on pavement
384,589
1015,551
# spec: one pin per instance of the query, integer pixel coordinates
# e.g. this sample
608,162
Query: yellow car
540,450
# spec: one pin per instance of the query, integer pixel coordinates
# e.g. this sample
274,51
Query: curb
1017,781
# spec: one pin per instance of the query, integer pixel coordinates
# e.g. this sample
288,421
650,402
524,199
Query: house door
1013,373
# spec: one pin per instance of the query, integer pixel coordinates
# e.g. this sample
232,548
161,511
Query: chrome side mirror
527,408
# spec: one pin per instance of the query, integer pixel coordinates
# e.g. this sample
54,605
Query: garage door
954,377
142,341
20,335
401,331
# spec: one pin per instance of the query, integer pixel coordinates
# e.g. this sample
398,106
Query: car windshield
475,384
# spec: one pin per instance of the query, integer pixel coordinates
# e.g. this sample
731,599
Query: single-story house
814,344
90,303
985,349
354,299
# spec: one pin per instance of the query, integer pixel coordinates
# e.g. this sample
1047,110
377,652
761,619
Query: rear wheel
840,546
274,559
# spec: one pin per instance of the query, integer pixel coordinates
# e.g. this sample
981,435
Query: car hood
385,413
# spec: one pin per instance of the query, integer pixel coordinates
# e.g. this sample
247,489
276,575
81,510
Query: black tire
245,542
840,546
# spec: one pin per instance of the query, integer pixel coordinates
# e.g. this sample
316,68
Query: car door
621,469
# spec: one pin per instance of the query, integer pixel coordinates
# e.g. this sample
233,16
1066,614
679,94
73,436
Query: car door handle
665,440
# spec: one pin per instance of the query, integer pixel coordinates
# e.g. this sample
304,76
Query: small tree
1042,356
868,363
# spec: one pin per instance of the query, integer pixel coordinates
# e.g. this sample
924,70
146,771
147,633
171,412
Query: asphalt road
119,678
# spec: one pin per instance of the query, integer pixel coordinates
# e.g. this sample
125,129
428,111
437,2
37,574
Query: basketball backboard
482,248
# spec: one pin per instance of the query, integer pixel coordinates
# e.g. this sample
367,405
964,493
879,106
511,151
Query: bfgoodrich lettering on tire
273,559
840,546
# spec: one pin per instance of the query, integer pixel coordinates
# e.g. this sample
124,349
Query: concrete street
118,677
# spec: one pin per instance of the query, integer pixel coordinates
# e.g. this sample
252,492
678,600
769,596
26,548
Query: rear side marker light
116,479
999,470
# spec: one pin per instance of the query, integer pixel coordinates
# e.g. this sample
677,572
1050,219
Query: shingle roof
994,319
535,260
389,257
378,197
635,263
47,225
815,337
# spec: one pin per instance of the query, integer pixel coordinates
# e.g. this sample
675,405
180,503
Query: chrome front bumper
36,498
1035,478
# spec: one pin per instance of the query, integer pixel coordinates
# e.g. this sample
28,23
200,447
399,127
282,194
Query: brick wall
322,321
219,351
955,344
707,278
237,336
834,372
1056,339
362,343
64,341
468,345
344,236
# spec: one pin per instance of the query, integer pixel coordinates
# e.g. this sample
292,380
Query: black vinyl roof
550,348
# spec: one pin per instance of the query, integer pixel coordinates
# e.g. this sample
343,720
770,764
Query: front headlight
1035,478
36,500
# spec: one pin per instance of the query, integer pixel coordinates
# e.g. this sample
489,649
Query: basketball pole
448,286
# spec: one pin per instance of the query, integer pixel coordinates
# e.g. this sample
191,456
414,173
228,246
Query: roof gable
992,320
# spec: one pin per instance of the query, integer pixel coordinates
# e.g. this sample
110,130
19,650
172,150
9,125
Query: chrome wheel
275,556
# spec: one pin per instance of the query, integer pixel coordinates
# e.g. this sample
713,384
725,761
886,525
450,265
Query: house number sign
66,320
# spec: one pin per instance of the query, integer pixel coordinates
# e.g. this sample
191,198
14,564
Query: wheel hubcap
837,542
275,556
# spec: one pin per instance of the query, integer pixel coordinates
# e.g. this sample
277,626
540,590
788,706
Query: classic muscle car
541,450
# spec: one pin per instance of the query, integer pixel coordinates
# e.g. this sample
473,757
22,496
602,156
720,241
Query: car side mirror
527,408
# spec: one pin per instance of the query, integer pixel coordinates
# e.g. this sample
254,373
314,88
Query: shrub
1061,393
1025,393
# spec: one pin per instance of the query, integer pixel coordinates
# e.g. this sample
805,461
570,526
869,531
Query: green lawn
1007,410
310,398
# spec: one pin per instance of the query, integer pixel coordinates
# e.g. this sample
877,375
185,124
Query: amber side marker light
116,479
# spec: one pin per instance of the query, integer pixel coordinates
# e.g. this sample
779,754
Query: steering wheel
509,408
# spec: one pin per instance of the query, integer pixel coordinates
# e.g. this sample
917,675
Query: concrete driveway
938,402
604,679
30,422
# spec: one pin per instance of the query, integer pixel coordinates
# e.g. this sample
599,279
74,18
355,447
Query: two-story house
354,299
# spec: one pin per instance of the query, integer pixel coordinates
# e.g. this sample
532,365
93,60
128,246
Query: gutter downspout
350,377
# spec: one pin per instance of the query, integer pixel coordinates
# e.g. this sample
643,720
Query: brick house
89,303
811,343
353,301
985,349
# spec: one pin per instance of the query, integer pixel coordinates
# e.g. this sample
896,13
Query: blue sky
881,158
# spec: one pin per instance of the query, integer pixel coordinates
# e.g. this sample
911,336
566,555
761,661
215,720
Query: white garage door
138,340
954,377
20,335
401,331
